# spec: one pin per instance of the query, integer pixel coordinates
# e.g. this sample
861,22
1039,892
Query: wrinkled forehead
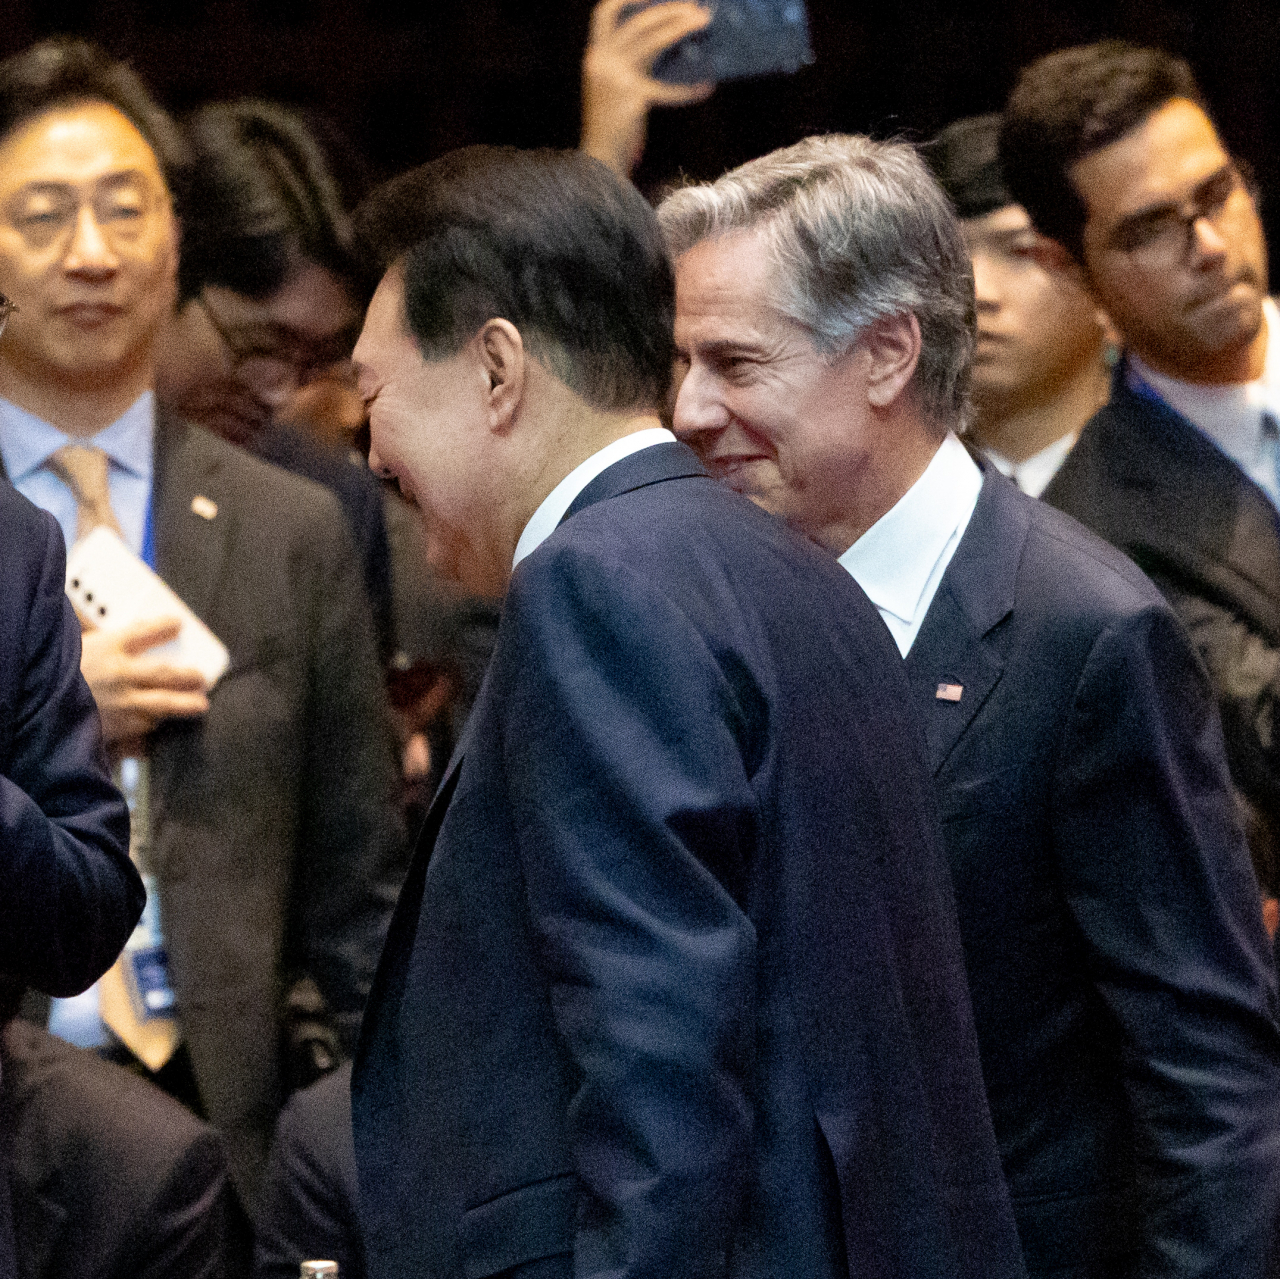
730,270
76,143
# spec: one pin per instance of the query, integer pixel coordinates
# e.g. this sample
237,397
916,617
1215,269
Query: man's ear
503,365
893,348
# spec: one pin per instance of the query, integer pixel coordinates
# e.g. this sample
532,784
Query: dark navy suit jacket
1123,994
1149,482
674,987
69,896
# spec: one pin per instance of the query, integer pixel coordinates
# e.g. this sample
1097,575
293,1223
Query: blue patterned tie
1271,449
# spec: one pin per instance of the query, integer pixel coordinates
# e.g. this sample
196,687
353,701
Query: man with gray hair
1123,993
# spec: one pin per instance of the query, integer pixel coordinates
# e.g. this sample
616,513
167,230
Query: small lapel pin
949,692
206,508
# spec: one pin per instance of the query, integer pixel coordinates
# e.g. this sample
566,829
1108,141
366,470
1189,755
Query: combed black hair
259,194
62,71
965,158
551,241
1068,105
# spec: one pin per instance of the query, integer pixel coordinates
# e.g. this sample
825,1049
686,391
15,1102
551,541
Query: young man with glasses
269,299
1111,150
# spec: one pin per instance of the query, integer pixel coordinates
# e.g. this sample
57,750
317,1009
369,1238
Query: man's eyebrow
1166,206
721,347
116,178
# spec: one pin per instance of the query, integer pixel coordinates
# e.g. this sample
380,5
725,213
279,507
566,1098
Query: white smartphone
110,587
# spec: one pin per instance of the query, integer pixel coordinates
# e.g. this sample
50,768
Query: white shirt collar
1032,475
900,559
551,511
1231,416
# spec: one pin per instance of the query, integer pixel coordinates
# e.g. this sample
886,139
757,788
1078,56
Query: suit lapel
976,594
192,515
383,1003
1168,492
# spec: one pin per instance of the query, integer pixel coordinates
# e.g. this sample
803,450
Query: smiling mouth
736,470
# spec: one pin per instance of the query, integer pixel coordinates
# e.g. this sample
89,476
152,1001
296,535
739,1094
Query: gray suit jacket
277,838
277,835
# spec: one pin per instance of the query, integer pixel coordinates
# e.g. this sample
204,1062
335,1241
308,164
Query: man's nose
985,284
699,406
1209,242
90,253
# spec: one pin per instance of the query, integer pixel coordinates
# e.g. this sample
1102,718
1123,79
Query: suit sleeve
71,896
635,818
1159,882
352,849
1245,670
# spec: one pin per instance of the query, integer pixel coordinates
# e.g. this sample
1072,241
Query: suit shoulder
691,518
70,1108
1073,589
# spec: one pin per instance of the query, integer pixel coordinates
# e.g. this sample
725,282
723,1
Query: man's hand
135,692
617,89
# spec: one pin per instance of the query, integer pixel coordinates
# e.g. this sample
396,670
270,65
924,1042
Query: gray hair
858,231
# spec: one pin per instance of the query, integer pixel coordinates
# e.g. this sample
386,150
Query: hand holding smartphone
744,38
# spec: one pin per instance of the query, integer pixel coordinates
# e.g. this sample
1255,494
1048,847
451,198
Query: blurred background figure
1041,368
270,295
269,300
1114,152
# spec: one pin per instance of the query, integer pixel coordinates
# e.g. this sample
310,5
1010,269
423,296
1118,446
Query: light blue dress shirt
26,444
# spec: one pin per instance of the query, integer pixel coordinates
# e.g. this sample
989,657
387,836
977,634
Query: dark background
407,81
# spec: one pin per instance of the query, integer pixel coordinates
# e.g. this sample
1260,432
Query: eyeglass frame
299,370
7,308
1181,216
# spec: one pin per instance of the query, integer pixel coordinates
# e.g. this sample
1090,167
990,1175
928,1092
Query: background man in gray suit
275,842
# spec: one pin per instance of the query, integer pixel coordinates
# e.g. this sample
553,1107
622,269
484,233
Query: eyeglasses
7,308
277,367
1165,235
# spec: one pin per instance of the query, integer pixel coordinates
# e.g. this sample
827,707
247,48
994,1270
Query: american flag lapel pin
949,692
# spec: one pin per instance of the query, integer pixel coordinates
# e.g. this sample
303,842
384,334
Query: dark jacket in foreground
111,1178
1123,994
310,1201
1148,481
674,987
69,896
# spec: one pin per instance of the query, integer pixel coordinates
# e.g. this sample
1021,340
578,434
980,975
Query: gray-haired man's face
765,411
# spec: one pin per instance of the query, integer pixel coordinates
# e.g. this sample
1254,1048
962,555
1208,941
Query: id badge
146,966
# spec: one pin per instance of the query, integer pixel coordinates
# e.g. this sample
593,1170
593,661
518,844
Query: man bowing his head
674,986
